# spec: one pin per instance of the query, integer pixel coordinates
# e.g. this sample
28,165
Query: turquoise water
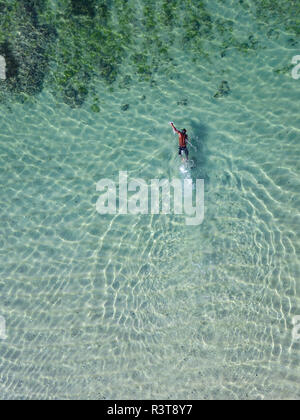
140,307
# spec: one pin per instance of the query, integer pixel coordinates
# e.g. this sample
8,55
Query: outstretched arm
174,128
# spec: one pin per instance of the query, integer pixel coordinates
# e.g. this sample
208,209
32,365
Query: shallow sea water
140,307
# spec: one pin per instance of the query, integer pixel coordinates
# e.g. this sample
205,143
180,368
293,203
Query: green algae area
24,43
84,47
66,44
91,38
276,13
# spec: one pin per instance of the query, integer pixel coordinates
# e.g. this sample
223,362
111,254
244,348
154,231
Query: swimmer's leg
180,154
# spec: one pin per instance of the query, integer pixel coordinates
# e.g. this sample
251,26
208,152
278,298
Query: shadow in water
198,153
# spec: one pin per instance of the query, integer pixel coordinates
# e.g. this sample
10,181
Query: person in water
183,141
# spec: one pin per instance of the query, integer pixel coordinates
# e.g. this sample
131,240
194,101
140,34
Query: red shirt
182,137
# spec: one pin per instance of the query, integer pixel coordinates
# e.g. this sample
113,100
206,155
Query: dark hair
184,130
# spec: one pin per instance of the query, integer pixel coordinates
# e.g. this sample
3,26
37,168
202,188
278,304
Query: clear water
140,307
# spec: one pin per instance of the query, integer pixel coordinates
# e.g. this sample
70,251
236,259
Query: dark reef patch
73,96
84,7
182,102
224,90
278,13
95,108
33,8
24,44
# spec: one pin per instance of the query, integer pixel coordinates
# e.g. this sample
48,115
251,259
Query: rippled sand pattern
142,307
